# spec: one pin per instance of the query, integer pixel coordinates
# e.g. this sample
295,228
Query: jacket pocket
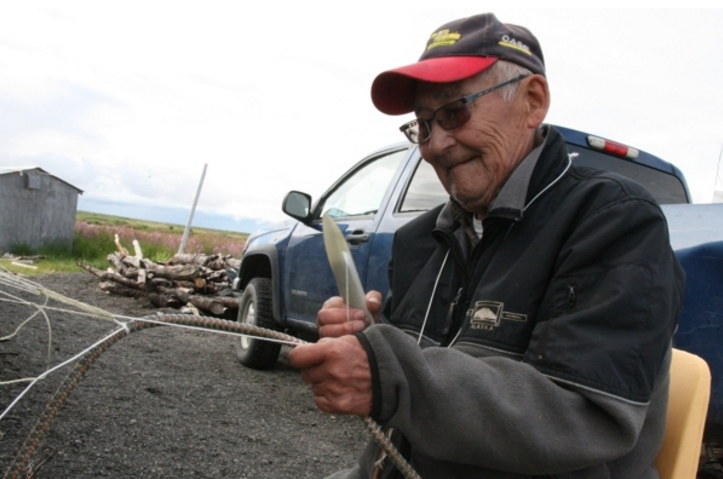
562,299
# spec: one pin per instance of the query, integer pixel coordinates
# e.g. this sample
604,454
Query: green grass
94,241
45,266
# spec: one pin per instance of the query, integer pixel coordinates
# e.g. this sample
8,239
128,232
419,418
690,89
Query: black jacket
550,340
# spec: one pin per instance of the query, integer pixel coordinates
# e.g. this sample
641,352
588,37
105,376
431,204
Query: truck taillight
613,148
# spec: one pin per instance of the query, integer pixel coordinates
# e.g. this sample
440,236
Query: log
115,288
216,264
23,265
203,286
36,257
178,273
230,302
117,261
132,261
185,258
155,283
163,301
142,276
214,261
118,245
111,276
153,269
218,277
189,308
187,279
211,304
23,262
137,249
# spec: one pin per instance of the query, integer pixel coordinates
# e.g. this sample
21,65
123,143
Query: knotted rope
22,460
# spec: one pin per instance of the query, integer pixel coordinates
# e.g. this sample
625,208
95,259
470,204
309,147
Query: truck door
355,203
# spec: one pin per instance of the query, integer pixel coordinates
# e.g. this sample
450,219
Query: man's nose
439,139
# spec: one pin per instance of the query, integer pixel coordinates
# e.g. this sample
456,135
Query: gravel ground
161,403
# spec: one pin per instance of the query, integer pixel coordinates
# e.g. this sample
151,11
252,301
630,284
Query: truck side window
362,192
424,191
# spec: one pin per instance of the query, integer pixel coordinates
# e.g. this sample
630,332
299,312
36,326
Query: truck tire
256,309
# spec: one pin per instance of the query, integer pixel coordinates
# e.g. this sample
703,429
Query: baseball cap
455,51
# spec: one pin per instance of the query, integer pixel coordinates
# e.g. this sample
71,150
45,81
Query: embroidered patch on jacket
487,315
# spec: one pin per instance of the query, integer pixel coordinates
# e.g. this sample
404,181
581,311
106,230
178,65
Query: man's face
474,160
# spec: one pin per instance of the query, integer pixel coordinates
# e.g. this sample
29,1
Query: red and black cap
454,52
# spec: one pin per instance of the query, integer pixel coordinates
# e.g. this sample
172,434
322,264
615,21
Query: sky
128,101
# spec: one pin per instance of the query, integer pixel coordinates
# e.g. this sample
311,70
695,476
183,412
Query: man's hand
334,321
339,374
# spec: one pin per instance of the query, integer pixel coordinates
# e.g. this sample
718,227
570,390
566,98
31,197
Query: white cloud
128,101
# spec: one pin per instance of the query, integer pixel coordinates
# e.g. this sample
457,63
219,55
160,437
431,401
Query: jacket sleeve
581,394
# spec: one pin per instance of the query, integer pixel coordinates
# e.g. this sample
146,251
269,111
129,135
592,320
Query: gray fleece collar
510,201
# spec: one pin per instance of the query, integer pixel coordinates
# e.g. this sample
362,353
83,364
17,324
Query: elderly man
530,319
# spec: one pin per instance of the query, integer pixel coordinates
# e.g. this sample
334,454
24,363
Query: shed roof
6,170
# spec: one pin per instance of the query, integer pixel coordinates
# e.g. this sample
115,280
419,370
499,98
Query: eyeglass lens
449,116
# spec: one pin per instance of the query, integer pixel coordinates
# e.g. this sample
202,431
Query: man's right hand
334,321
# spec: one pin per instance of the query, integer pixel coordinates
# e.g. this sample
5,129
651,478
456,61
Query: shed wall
36,209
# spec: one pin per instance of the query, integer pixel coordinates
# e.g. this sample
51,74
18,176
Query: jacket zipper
469,268
450,312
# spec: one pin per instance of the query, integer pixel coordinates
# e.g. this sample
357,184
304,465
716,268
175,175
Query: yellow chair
687,408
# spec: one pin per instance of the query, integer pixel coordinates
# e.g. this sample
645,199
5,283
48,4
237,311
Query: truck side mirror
297,205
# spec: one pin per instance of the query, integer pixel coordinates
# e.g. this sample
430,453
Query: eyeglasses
449,116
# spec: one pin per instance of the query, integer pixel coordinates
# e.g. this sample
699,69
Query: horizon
176,216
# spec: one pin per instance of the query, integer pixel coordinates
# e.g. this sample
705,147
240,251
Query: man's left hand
339,373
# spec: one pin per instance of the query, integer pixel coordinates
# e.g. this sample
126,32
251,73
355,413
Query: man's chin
472,205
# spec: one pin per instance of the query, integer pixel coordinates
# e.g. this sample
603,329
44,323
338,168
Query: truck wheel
256,309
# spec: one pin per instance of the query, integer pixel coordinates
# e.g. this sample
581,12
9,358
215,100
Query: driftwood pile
195,283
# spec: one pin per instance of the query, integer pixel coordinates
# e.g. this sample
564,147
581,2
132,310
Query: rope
23,284
90,355
40,310
392,453
22,459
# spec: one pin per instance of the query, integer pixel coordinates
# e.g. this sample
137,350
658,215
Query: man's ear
537,100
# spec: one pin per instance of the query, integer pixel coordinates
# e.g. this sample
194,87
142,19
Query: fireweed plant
97,241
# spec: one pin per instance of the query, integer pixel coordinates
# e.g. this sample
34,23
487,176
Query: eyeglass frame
466,100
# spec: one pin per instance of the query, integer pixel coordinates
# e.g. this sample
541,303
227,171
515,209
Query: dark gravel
161,403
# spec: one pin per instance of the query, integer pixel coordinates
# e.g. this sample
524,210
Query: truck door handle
357,237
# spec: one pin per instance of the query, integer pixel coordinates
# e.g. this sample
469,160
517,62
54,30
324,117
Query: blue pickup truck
285,277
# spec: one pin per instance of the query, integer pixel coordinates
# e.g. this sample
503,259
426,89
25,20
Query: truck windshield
362,192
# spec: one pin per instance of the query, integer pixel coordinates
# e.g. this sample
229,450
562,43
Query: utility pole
718,193
193,210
